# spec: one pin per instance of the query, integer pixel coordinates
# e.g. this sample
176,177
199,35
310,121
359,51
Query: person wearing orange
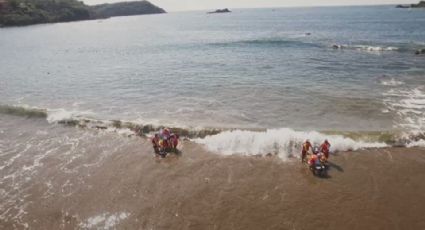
306,148
324,148
155,143
175,141
314,159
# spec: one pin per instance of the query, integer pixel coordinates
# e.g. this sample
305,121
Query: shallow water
55,177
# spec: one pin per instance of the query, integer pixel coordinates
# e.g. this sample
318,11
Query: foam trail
375,48
391,82
419,143
366,48
409,105
284,142
56,115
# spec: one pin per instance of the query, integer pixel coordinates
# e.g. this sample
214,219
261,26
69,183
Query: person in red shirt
155,143
324,148
313,160
306,148
175,141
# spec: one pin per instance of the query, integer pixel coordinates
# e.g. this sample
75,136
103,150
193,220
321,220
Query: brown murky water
53,177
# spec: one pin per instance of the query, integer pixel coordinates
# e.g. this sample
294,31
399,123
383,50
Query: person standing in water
306,148
155,143
324,148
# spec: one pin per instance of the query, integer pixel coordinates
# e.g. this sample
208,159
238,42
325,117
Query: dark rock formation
420,51
225,10
402,6
421,4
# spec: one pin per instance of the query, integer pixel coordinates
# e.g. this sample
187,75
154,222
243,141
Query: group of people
315,154
165,141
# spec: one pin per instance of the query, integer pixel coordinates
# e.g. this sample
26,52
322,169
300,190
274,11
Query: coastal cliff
421,4
28,12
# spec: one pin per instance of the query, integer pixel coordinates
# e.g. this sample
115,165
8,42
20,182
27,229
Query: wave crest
391,82
366,48
23,111
283,142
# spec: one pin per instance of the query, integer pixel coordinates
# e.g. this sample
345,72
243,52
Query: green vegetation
126,8
27,12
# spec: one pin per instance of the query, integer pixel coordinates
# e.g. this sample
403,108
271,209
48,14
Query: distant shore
421,4
30,12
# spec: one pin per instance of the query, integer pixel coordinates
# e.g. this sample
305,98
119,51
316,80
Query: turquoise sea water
253,68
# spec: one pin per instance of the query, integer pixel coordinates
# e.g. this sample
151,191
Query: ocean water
74,96
334,70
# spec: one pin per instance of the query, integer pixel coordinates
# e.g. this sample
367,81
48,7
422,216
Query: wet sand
130,189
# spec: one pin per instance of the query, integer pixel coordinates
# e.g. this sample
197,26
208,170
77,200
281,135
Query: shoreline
128,188
365,138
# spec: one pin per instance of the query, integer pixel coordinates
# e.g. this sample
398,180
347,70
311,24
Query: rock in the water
225,10
337,46
420,51
402,6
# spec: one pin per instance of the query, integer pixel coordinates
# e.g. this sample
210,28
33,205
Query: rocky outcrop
225,10
420,51
402,6
421,4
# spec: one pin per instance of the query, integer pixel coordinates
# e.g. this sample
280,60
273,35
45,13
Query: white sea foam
104,221
366,48
420,143
391,82
124,132
55,115
284,142
375,48
409,107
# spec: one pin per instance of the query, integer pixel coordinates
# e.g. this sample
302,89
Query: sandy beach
129,188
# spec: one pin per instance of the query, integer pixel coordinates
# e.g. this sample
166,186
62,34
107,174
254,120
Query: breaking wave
23,111
86,120
300,42
419,143
366,48
391,82
284,142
